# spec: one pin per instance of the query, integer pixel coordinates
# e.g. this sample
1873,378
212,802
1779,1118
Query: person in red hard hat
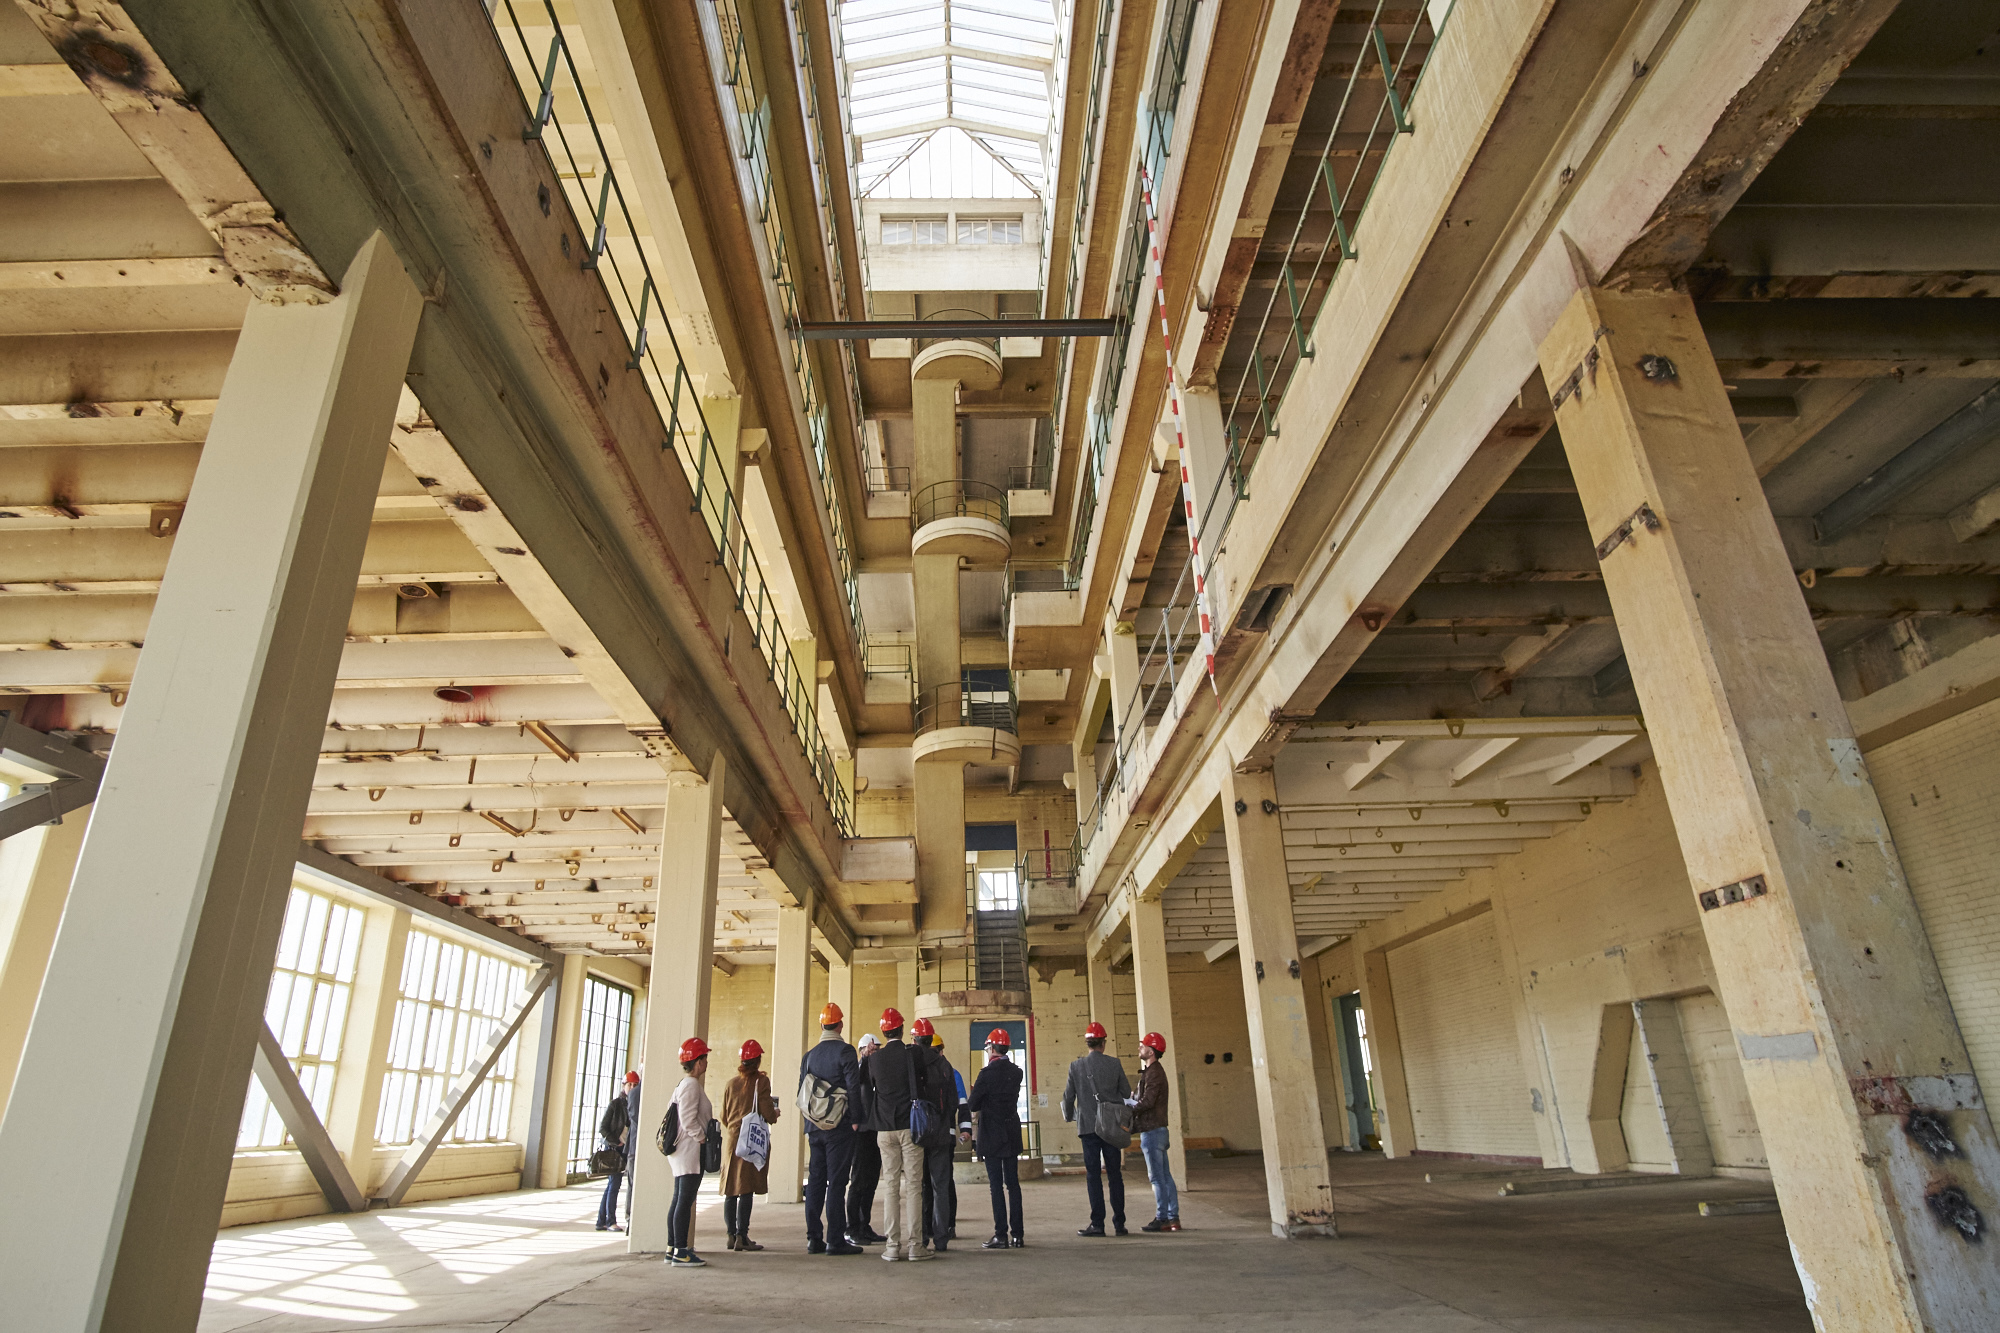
941,1090
867,1163
742,1179
830,1100
1149,1122
889,1083
1097,1082
691,1101
995,1107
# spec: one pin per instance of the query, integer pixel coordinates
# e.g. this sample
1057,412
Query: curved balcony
968,722
974,362
960,517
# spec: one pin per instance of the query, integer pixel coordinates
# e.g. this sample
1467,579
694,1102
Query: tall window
989,231
450,1001
914,231
602,1045
999,890
306,1007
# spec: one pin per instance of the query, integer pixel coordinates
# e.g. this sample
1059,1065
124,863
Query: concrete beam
1843,332
324,866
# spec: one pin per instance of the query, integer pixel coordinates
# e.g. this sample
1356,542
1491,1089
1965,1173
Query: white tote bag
753,1140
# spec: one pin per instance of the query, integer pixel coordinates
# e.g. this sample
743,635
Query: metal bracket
1642,517
1752,887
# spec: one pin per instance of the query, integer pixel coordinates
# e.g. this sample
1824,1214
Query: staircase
1000,949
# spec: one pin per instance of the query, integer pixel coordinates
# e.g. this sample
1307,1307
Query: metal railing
592,192
1040,578
884,480
1157,129
890,659
960,497
753,116
1374,111
1047,866
964,703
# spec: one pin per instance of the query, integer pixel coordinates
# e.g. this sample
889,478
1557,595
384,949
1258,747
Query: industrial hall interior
1340,657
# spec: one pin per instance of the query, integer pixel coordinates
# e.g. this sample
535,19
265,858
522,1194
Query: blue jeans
1166,1199
607,1206
1101,1160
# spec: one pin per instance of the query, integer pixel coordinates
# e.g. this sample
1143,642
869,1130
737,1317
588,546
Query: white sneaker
890,1256
921,1254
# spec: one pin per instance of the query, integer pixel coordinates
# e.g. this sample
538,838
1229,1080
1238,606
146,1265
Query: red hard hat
891,1020
831,1016
692,1050
751,1051
1095,1032
1156,1041
999,1037
922,1028
631,1076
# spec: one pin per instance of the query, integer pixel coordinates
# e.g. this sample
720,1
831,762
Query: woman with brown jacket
743,1180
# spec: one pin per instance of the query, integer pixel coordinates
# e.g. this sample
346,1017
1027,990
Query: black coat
892,1078
995,1097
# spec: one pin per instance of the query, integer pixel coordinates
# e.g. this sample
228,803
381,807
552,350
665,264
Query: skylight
958,91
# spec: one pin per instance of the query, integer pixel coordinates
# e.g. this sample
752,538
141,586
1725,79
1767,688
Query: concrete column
940,829
1820,956
840,991
164,955
934,426
906,989
1295,1169
791,1028
1207,448
1121,647
1658,1024
35,870
364,1050
1103,1004
677,989
1395,1127
567,994
1156,1014
1326,1076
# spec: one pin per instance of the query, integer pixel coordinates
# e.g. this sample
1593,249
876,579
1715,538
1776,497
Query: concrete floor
1412,1258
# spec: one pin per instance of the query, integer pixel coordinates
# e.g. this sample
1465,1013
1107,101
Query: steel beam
281,1084
867,330
1972,425
75,771
418,1154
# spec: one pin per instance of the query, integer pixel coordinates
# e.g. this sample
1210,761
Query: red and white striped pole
1207,647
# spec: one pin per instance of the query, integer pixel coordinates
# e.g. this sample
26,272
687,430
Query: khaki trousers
902,1189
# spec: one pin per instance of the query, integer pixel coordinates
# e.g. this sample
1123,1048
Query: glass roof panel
933,86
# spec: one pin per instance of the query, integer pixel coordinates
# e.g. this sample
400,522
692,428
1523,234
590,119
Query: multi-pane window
989,231
450,1001
306,1007
603,1042
999,890
914,231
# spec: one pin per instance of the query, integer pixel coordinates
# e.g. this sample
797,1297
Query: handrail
634,295
1170,75
959,497
754,123
962,703
1172,639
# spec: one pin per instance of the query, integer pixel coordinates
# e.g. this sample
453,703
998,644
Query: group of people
891,1115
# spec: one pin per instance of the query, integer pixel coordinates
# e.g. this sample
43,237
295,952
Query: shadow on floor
1411,1258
